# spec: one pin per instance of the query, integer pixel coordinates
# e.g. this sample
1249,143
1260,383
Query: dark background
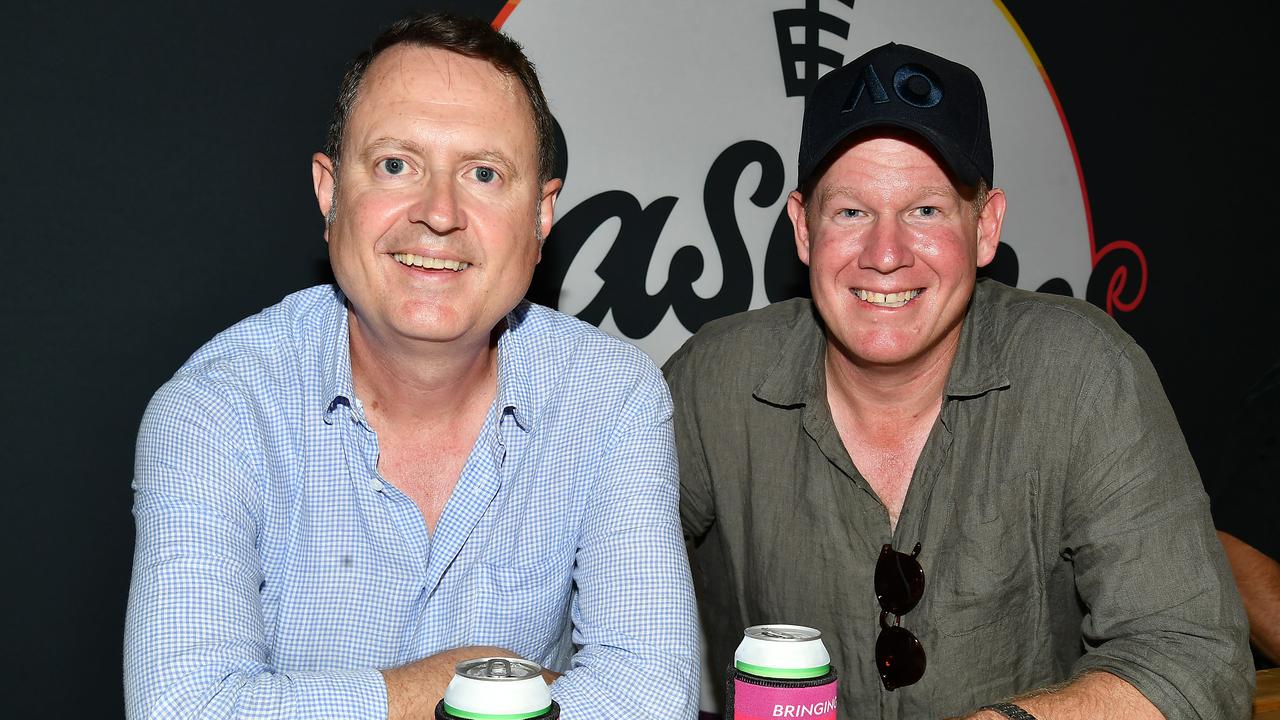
156,188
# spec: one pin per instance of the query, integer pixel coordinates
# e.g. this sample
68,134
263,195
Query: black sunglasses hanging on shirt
899,587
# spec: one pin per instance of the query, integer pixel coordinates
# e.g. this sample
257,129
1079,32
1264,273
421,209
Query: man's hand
414,689
1092,695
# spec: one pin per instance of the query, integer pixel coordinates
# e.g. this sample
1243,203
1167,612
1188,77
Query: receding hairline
352,149
467,36
510,82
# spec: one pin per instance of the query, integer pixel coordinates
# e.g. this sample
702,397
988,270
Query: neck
421,385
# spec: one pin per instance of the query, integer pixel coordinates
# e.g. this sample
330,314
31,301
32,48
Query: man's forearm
1092,695
1258,579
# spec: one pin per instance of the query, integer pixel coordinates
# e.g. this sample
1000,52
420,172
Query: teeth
891,300
430,263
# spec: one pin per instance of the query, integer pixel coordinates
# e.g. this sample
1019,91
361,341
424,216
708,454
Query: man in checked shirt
341,497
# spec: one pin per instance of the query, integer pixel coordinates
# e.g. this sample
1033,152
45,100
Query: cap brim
960,167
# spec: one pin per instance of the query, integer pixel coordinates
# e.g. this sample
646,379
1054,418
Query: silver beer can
497,688
783,652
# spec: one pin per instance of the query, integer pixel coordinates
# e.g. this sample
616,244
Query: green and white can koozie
781,671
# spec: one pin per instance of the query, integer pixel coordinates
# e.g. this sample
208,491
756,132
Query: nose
887,247
437,207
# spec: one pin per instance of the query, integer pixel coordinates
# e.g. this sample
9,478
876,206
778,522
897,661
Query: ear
800,224
990,223
547,209
322,180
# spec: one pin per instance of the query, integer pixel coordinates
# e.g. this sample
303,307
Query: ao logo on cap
681,125
912,83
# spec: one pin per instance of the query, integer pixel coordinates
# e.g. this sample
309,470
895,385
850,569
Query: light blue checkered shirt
275,571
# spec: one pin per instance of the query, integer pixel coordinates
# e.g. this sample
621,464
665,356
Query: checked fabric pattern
275,571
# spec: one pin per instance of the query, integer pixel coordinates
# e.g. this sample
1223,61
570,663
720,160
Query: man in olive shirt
979,495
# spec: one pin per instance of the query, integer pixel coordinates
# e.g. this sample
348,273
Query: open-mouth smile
887,300
430,263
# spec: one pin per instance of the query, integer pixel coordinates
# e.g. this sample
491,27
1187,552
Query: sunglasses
899,587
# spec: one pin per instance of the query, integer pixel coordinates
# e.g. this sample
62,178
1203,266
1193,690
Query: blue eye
928,211
485,174
393,166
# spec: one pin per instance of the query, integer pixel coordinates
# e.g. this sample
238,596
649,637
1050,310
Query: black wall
155,188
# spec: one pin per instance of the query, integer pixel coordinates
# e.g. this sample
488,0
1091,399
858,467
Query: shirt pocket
524,605
988,578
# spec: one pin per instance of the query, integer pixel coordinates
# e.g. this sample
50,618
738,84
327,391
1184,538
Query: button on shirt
275,571
1062,525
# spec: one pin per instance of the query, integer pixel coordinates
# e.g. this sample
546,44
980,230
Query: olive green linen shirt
1064,527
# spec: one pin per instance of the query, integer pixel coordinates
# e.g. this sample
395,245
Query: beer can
782,651
497,688
781,671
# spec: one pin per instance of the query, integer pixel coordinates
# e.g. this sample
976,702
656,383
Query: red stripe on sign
504,13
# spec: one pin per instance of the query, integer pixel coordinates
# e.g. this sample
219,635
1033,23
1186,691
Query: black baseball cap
904,87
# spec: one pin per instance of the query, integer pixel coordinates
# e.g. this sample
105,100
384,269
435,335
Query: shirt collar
339,389
978,367
517,371
517,384
793,379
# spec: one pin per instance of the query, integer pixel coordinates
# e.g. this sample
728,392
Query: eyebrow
834,191
924,191
391,143
945,191
495,157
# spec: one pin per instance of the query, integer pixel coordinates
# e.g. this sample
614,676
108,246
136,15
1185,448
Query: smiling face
435,233
893,249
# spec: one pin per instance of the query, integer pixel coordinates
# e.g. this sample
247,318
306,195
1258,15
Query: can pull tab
498,668
777,634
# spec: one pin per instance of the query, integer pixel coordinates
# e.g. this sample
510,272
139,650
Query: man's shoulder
255,380
1027,323
758,333
565,340
1051,350
582,381
276,344
554,359
728,358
